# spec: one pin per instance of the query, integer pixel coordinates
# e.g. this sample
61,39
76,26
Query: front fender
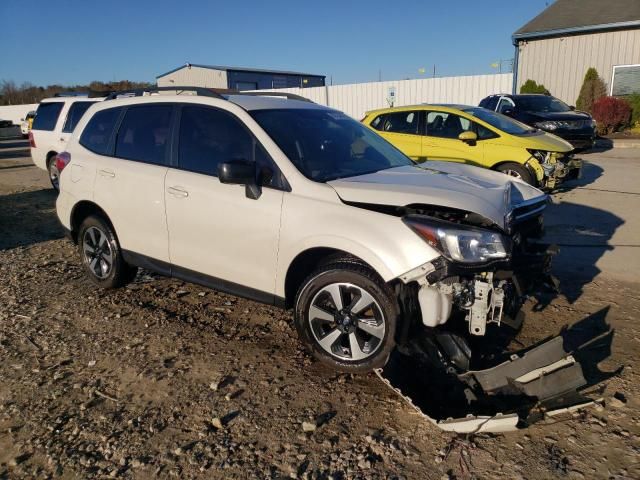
534,165
383,241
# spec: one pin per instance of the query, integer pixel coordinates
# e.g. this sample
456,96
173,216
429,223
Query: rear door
48,117
402,129
129,183
441,142
216,232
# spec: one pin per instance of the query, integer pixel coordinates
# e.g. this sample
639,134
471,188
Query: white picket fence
357,98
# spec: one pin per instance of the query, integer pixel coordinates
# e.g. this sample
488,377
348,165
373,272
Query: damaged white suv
297,205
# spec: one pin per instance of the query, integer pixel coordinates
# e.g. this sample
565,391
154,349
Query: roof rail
71,94
139,92
290,96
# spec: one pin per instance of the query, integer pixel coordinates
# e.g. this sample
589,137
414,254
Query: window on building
626,80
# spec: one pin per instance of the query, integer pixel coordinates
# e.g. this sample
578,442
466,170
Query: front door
441,142
216,233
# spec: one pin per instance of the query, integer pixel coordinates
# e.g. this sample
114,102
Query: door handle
177,192
107,173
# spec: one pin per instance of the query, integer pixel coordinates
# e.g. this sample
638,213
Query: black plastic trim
169,270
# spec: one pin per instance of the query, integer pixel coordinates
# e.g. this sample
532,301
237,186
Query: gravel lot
167,379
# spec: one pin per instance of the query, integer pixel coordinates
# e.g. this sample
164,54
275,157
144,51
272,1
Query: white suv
297,205
54,121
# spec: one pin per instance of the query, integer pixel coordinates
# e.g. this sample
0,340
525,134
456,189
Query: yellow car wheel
519,171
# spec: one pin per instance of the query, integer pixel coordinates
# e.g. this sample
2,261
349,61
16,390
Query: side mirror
572,107
508,112
240,172
468,137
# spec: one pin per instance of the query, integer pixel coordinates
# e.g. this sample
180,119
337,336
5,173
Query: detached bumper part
530,385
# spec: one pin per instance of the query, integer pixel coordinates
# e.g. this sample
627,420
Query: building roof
240,69
577,16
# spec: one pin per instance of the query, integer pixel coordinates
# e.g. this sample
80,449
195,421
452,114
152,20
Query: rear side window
76,111
209,137
47,116
97,133
398,122
144,134
489,102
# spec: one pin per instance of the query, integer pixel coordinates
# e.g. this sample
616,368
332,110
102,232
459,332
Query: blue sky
74,42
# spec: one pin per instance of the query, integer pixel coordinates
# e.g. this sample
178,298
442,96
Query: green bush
593,88
530,86
634,101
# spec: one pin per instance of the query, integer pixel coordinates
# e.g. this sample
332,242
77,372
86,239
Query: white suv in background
297,205
54,121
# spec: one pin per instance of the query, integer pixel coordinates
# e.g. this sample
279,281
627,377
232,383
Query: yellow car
477,136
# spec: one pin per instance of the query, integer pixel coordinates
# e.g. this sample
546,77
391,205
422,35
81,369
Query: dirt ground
167,379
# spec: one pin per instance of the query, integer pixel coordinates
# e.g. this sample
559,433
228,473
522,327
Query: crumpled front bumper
562,171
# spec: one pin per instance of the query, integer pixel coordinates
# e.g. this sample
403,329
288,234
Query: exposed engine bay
434,367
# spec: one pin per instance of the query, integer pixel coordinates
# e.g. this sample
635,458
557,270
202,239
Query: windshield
500,121
542,103
326,144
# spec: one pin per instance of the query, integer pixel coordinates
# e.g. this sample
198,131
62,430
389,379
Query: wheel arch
532,165
309,260
82,210
50,154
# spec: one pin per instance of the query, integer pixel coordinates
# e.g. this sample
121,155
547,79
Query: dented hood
485,192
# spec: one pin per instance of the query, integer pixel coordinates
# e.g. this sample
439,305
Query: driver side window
447,125
505,104
209,137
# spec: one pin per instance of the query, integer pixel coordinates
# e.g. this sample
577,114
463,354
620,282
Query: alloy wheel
512,173
346,321
97,252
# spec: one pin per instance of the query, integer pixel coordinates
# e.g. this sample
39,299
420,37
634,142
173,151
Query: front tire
101,254
346,316
518,171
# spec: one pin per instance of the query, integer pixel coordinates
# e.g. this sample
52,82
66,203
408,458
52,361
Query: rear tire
346,316
101,254
54,173
518,171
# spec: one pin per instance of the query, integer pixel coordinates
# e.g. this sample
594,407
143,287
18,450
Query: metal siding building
236,78
558,46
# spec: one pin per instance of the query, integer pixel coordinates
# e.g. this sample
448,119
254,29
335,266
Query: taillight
32,141
62,160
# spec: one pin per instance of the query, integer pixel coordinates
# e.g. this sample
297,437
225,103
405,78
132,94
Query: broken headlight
459,243
540,155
